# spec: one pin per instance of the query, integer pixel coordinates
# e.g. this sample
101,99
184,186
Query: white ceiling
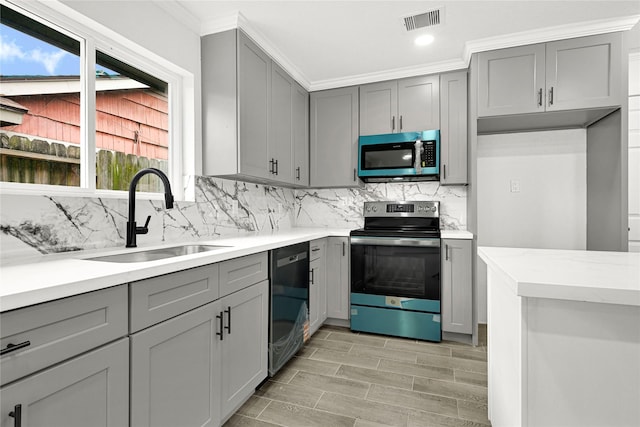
327,44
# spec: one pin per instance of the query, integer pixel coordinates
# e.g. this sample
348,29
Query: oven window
396,271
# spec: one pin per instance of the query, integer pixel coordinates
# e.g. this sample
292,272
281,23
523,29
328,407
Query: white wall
549,211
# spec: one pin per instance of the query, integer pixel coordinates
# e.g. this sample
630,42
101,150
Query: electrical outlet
515,185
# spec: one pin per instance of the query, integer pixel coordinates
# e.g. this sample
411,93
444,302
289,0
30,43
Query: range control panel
402,209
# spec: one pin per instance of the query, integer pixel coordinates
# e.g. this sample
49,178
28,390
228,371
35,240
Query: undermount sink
155,254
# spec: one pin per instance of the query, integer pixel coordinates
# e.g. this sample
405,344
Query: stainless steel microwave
408,156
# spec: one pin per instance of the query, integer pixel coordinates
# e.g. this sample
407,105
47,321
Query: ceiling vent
422,20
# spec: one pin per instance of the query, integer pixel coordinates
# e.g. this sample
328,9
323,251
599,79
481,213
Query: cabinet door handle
540,97
228,327
271,166
444,171
221,333
298,173
313,278
551,96
14,347
276,167
446,252
344,248
400,123
393,123
16,414
354,174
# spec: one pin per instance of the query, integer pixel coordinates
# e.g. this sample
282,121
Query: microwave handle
393,123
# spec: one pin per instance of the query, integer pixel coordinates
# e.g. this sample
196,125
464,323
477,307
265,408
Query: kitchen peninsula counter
563,337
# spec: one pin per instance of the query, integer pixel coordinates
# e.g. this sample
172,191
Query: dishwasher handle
290,259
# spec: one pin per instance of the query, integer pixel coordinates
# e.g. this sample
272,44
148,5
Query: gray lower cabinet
88,390
317,285
563,75
243,346
453,128
338,285
457,291
333,139
175,371
406,105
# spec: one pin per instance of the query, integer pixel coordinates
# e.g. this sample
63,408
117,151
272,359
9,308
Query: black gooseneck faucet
132,229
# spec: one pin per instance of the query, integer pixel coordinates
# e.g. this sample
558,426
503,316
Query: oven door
406,267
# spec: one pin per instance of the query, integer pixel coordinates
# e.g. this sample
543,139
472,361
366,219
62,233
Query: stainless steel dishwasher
288,309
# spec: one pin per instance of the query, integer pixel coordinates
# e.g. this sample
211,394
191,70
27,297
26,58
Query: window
48,139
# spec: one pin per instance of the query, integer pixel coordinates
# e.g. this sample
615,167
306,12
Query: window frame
93,37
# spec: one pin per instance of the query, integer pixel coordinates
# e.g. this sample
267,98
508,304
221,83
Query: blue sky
23,55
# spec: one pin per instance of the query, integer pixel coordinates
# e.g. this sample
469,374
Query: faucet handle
144,229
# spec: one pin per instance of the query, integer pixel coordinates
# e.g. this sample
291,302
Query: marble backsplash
48,224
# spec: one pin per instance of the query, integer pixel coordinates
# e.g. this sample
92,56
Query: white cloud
10,51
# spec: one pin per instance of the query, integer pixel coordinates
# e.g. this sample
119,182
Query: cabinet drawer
60,329
160,298
316,249
239,273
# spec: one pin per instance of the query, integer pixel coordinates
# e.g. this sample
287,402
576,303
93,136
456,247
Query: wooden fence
36,161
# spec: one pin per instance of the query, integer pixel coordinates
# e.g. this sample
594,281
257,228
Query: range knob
433,209
374,208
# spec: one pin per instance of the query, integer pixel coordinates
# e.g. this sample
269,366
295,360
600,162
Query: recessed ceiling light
424,40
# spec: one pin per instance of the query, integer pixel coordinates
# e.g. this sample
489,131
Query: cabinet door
334,138
317,286
280,131
244,344
453,128
338,278
379,108
511,81
174,368
254,87
457,293
300,136
89,390
583,72
419,104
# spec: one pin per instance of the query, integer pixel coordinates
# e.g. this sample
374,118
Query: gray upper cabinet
564,75
281,125
405,105
378,108
250,128
453,128
254,93
511,81
334,138
457,292
300,136
583,73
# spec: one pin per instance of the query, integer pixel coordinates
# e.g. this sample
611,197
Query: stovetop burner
411,219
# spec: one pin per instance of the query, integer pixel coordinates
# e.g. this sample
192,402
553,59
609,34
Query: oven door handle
395,241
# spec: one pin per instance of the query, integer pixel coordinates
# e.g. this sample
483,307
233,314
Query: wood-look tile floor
342,378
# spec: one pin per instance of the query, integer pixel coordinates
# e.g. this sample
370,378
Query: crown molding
180,13
396,73
541,35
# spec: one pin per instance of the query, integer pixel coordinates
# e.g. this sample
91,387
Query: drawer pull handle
228,327
14,347
221,333
16,414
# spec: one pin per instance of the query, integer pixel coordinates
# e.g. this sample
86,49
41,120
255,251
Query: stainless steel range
395,270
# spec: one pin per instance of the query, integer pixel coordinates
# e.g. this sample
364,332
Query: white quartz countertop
592,276
48,277
456,234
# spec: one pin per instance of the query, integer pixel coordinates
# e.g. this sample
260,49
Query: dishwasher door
288,310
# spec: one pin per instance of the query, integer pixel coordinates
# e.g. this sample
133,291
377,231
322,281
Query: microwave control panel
428,154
